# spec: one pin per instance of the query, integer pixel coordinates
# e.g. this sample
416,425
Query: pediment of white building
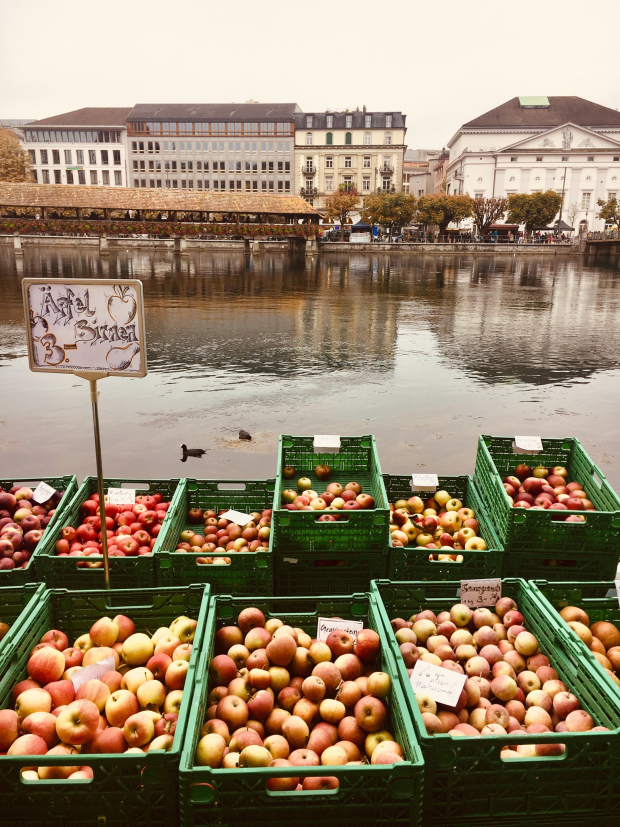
566,138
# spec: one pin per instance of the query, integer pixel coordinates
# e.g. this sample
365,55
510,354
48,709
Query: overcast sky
441,63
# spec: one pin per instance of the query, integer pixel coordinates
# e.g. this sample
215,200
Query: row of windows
79,156
212,128
348,183
250,186
71,136
348,139
348,121
514,159
348,161
203,166
81,177
203,146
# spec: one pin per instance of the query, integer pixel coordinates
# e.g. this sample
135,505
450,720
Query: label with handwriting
236,517
326,444
121,496
327,625
43,492
527,444
618,590
424,482
443,685
95,670
477,593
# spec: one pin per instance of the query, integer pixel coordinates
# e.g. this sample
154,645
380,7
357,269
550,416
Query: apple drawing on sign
121,306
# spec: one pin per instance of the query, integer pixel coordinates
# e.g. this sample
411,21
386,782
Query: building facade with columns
357,150
533,144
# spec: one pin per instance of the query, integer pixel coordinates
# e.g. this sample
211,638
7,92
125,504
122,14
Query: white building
566,144
87,146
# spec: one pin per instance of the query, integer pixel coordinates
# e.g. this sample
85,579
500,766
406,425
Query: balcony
308,192
309,169
386,169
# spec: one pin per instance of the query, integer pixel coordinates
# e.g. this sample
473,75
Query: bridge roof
66,196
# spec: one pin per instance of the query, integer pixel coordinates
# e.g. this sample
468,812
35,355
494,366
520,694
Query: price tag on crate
327,625
236,517
527,445
326,444
92,672
477,593
43,492
424,482
618,591
443,685
121,496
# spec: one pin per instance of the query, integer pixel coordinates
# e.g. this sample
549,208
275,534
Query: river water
425,352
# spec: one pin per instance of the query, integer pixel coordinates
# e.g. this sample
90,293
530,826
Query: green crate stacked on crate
536,545
312,557
68,484
598,600
125,572
140,790
369,795
15,605
247,572
413,563
466,781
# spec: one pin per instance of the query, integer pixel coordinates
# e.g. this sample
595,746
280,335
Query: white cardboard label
477,593
424,482
327,625
121,496
618,590
43,492
95,670
236,517
527,445
443,685
326,444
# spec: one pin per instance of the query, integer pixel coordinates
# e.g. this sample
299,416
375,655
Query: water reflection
425,352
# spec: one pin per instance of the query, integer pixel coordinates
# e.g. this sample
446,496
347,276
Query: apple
46,665
28,745
137,649
78,722
139,729
120,706
370,713
94,690
32,700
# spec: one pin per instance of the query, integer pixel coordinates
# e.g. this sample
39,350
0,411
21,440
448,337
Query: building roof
561,110
89,116
126,198
213,112
319,120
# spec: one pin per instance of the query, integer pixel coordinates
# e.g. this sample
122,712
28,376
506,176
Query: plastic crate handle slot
203,793
534,758
231,486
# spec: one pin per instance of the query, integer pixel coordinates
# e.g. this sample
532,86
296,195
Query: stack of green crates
312,557
247,572
537,545
15,604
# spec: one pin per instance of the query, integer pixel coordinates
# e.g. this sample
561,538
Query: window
105,178
348,182
287,186
142,168
329,139
92,156
388,138
347,138
309,122
616,157
388,121
347,162
612,194
175,184
280,166
44,156
590,157
254,166
198,166
367,121
367,139
366,183
254,186
104,157
69,177
348,121
308,138
174,166
152,166
199,184
280,186
330,121
247,186
93,174
79,154
264,185
57,179
190,166
206,166
81,176
585,200
479,195
513,159
366,162
118,178
270,166
45,176
386,184
264,166
55,156
116,154
183,184
329,183
539,157
287,166
68,157
329,162
34,175
565,157
33,156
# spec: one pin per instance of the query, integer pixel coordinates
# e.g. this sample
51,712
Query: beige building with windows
357,150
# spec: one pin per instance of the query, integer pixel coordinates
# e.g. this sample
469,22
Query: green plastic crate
326,572
125,572
524,530
411,563
368,795
599,600
357,461
137,790
68,484
466,782
248,572
15,604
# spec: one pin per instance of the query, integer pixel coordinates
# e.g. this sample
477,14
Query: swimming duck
191,452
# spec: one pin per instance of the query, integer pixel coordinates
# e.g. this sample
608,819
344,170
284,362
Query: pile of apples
336,498
439,522
279,698
22,523
602,639
222,535
132,707
540,488
131,529
511,687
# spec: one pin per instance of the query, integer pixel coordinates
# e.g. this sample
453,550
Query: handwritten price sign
477,593
527,445
442,685
327,625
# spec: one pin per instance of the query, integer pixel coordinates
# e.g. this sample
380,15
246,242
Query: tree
340,204
389,209
610,210
535,209
443,209
486,211
14,161
572,212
